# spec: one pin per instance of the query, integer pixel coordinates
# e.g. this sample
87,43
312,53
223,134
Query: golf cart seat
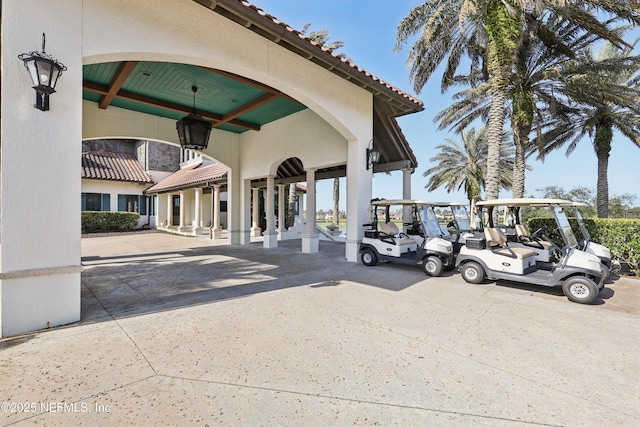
388,232
498,242
524,236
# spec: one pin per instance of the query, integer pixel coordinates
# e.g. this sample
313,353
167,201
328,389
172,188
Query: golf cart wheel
368,257
432,266
472,272
580,289
607,274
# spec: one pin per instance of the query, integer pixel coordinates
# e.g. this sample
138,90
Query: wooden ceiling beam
249,82
249,106
126,68
129,96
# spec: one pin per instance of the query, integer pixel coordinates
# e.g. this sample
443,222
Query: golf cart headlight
595,265
445,249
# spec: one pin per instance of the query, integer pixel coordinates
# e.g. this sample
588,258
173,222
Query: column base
352,250
217,233
310,244
39,302
236,237
256,232
270,240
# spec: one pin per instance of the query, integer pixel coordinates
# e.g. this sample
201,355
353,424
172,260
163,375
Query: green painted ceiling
164,89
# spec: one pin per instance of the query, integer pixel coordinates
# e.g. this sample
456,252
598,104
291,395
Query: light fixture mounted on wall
194,130
44,71
373,156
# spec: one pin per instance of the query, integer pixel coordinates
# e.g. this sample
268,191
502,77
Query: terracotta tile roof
323,51
113,166
191,177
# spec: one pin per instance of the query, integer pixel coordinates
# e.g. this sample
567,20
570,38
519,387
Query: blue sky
368,30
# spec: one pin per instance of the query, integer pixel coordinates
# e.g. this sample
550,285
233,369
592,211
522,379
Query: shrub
621,236
109,221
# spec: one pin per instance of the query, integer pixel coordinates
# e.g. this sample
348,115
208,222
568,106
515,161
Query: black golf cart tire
607,274
432,266
472,272
580,289
368,257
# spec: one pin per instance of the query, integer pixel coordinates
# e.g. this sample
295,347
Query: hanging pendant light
194,130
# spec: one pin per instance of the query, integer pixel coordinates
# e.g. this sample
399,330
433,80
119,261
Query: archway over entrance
347,110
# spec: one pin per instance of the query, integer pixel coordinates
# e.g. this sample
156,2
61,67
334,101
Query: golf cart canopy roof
383,202
405,202
524,202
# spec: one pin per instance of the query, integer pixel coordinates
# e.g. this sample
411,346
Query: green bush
109,221
621,236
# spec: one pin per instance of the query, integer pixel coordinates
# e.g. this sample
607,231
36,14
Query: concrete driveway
176,331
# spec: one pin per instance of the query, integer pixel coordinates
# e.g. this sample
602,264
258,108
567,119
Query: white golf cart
602,252
549,252
421,243
494,257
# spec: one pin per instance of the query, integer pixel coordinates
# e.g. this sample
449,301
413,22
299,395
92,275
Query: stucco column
182,226
169,210
406,194
197,226
270,235
281,218
310,239
217,230
256,231
39,156
359,196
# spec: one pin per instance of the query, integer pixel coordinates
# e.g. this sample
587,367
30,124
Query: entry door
176,210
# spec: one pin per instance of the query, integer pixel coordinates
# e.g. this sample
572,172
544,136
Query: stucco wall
304,135
40,228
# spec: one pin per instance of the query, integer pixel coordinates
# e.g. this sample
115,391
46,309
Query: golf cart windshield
462,217
564,227
585,233
430,221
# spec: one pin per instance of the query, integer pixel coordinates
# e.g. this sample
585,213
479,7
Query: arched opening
170,188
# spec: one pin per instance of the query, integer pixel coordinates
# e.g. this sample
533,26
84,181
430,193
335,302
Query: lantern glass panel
45,70
33,72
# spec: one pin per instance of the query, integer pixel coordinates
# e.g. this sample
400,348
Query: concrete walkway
177,331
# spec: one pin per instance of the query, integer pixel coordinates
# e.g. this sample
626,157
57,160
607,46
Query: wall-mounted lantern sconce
373,156
193,130
44,71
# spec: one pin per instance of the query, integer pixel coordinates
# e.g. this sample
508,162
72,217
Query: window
96,202
132,203
153,200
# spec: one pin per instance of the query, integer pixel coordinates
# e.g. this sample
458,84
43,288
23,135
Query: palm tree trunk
521,125
602,145
495,126
336,201
291,204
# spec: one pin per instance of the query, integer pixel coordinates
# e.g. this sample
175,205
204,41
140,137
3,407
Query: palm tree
600,95
531,94
490,32
464,165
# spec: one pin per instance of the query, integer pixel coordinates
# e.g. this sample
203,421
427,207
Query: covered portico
270,93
